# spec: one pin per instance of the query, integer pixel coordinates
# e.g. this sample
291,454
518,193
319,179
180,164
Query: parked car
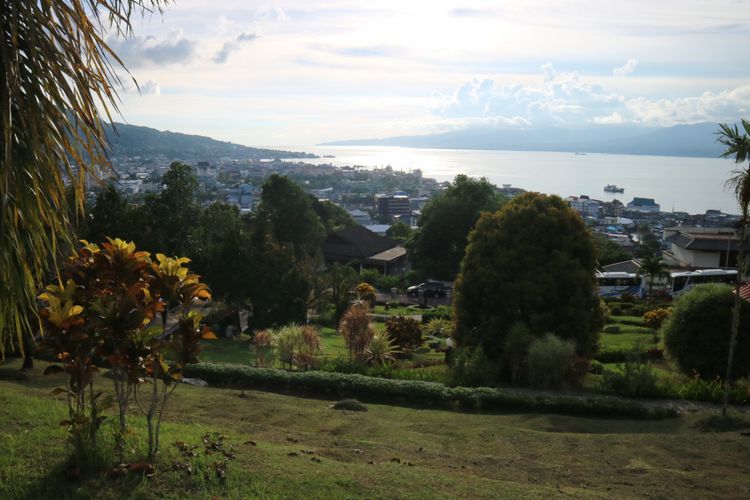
429,289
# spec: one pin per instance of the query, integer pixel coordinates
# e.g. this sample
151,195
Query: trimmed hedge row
623,355
379,390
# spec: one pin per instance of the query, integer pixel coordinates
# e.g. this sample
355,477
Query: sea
680,184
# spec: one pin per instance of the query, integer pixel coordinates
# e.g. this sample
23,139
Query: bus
684,281
617,284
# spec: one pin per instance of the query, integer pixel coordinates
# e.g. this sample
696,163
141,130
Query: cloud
564,99
625,70
232,46
148,87
149,51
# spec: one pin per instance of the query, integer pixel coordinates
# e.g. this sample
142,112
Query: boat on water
611,188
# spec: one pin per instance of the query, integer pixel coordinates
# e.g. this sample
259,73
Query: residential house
647,205
361,248
702,247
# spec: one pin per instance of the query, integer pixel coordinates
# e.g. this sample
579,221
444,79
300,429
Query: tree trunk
735,317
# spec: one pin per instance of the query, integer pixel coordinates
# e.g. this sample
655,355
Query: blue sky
295,73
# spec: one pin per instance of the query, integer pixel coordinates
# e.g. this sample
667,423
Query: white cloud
564,99
147,87
232,46
626,69
142,51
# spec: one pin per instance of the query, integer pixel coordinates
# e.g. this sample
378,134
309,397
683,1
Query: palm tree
58,75
737,146
653,268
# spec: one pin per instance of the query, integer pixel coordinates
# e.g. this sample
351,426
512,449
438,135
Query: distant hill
132,140
680,140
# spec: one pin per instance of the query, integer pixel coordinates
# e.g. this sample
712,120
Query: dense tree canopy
533,261
445,223
293,222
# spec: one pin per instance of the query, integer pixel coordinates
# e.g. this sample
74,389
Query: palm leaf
58,71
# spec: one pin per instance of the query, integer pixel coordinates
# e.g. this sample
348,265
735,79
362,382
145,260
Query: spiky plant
380,350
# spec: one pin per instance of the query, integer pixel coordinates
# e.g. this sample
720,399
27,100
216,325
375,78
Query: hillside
133,140
291,447
680,140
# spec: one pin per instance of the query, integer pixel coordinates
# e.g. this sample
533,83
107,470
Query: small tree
697,333
533,261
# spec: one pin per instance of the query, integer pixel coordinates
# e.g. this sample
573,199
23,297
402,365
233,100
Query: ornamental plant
109,309
357,330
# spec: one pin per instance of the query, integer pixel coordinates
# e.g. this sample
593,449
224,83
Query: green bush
611,329
440,312
405,332
370,389
515,351
472,367
549,360
636,380
697,389
697,332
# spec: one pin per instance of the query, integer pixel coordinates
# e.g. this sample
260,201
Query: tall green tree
445,223
170,215
737,147
531,262
289,212
57,78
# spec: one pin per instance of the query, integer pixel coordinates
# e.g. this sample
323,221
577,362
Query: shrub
437,313
549,360
636,380
380,350
405,332
288,340
615,311
656,317
611,329
472,367
438,327
308,352
349,404
357,330
697,332
263,344
515,351
595,367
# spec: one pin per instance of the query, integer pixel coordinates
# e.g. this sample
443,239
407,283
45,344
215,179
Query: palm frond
57,76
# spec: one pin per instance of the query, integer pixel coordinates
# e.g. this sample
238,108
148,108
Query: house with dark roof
361,248
702,247
643,205
626,266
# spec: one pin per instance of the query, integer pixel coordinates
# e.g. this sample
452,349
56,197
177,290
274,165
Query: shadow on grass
719,423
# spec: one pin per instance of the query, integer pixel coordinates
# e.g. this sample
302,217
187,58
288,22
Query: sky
296,73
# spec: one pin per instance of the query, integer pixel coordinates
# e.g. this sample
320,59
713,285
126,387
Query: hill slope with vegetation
133,140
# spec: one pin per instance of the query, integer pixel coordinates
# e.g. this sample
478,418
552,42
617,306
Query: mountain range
133,140
679,140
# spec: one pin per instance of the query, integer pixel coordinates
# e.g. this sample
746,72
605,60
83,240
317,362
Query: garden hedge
411,392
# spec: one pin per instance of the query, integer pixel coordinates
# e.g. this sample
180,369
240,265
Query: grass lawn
238,350
304,449
625,341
